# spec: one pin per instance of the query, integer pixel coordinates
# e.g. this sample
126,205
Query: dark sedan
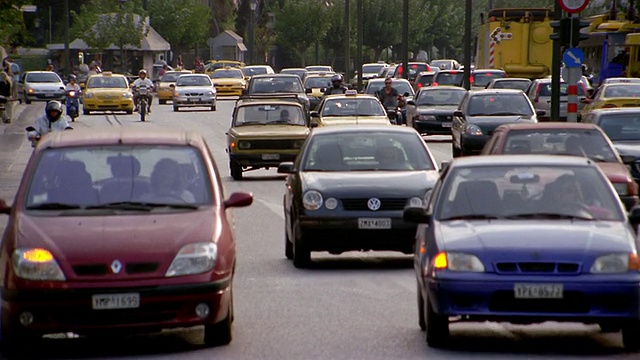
481,112
622,126
526,239
435,107
348,188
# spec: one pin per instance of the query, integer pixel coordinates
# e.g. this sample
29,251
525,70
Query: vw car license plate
446,125
376,223
538,291
270,156
116,301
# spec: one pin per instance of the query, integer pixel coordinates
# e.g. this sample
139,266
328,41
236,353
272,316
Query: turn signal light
38,256
634,262
440,261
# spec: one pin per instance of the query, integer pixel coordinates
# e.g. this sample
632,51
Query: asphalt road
352,306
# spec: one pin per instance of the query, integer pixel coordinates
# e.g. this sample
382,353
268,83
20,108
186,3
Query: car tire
301,254
162,102
421,321
288,245
436,326
213,108
455,152
220,333
26,100
86,112
631,336
235,170
175,108
129,112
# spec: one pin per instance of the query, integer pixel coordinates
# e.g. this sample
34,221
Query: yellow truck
516,41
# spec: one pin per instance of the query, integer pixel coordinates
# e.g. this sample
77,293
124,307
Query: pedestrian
179,63
5,93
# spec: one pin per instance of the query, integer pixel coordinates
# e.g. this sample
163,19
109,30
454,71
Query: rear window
545,90
622,91
512,84
449,78
482,78
425,80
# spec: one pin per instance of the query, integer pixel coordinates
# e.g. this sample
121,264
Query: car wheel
129,112
162,102
220,333
213,108
455,152
236,170
631,336
301,254
609,328
288,245
175,108
85,112
437,326
421,321
26,100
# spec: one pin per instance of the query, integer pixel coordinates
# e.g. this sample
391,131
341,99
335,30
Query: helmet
72,77
336,77
53,110
142,71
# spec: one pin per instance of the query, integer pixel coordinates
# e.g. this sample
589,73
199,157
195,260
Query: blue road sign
573,57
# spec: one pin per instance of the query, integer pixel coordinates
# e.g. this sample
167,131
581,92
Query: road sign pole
572,93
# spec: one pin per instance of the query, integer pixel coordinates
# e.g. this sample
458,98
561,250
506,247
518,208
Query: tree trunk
377,52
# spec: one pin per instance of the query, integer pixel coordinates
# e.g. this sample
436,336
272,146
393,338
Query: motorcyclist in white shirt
142,80
53,120
72,85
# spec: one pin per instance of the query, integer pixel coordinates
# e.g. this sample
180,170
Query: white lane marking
274,207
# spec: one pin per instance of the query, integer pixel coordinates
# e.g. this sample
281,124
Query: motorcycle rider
53,120
6,91
142,80
338,87
72,85
389,96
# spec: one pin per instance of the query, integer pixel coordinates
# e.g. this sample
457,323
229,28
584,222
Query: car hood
86,240
360,120
270,131
200,89
118,91
628,147
444,110
616,172
46,86
370,183
551,239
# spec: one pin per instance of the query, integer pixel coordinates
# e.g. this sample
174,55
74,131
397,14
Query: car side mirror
541,113
585,100
411,102
406,94
285,168
308,91
4,208
314,114
634,216
247,78
238,199
443,165
458,113
172,85
416,214
628,159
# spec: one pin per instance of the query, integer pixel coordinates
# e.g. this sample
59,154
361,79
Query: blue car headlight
615,264
455,261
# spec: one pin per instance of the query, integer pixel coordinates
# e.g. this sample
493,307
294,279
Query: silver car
539,92
194,90
40,86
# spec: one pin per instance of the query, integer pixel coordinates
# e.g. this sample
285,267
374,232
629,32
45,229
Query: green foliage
299,23
11,24
183,24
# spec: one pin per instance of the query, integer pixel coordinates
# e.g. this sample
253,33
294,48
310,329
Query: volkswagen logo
373,204
116,266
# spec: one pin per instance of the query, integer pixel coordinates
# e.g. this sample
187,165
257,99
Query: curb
16,119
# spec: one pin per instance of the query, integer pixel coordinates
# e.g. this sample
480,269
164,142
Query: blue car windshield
528,191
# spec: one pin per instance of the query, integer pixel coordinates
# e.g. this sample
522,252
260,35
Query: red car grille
147,313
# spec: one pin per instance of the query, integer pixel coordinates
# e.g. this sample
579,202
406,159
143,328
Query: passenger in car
125,185
168,183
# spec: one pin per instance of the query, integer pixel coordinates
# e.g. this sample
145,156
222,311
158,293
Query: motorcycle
143,95
395,115
35,140
3,110
73,104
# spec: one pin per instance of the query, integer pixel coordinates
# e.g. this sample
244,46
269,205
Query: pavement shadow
259,178
345,262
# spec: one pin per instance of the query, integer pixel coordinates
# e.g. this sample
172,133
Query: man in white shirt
53,120
142,81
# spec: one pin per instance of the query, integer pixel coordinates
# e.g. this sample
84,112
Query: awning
241,47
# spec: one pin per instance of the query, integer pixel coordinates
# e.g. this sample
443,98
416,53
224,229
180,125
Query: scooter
143,98
73,104
395,115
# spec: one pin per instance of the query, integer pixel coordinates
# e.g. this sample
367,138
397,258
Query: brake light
537,93
434,84
419,85
471,79
609,106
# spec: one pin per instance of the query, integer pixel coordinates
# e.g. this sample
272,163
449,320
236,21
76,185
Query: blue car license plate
537,291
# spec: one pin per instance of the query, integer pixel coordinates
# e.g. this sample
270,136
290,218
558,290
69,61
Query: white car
40,86
194,90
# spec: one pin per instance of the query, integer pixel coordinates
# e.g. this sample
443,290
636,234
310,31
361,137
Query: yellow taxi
107,91
214,65
229,81
314,86
164,90
349,108
614,95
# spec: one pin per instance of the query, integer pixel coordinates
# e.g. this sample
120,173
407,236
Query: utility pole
556,60
405,39
67,56
467,45
360,41
347,35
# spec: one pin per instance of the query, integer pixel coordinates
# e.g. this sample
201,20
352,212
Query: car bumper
229,91
161,307
266,159
342,234
492,299
204,101
472,144
45,96
433,127
92,105
165,95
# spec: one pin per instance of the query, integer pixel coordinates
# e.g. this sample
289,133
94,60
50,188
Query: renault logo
116,266
373,204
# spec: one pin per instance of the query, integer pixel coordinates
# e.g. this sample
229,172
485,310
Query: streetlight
253,4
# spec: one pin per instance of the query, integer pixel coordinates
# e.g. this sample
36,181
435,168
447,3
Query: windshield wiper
251,123
140,206
548,216
53,206
473,217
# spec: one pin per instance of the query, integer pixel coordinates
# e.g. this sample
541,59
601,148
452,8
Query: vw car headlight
615,263
312,200
415,201
621,188
36,264
454,261
194,259
426,117
473,130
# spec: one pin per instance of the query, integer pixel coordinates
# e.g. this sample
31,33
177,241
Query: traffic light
562,29
576,35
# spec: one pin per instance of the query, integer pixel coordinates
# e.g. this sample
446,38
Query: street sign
573,6
573,57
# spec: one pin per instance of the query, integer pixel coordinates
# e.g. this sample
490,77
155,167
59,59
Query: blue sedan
526,239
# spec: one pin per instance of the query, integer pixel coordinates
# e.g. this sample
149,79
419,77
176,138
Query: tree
12,22
223,16
183,24
382,24
300,23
